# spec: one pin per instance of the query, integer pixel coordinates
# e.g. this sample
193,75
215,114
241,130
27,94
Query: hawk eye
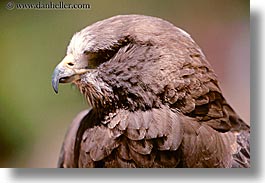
86,52
70,64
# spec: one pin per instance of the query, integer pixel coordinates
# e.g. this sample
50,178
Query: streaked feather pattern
155,103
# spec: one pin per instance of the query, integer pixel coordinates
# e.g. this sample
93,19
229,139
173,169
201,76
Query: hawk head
133,62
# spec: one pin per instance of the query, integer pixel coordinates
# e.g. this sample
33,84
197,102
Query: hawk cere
155,100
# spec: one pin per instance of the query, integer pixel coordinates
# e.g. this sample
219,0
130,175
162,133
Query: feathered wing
67,154
154,138
241,157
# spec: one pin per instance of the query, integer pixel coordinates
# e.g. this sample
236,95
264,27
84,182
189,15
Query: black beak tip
55,81
55,90
55,86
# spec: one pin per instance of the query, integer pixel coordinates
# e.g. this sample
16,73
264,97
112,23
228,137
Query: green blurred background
33,119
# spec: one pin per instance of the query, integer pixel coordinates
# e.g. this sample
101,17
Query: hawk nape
155,100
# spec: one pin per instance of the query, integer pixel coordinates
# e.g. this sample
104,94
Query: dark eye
70,64
86,52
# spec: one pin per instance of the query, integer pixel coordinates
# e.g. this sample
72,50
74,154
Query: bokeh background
34,120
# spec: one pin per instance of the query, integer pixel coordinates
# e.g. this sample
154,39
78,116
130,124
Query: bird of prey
155,100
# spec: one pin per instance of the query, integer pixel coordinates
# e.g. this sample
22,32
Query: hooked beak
65,72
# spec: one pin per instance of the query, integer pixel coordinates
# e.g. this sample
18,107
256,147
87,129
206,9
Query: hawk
155,100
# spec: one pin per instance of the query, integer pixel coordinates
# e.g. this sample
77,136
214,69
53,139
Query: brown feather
155,101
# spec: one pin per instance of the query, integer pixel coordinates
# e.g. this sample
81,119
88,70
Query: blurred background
34,120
